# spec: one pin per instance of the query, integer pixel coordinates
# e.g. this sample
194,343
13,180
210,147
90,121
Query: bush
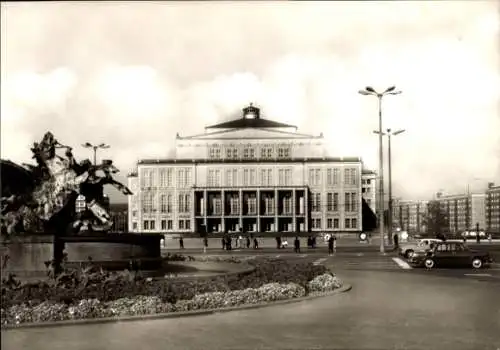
91,293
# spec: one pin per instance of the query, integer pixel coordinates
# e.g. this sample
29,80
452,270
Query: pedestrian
396,241
229,243
248,242
296,245
223,241
478,238
314,242
181,243
309,242
489,238
330,245
334,243
205,245
255,243
278,243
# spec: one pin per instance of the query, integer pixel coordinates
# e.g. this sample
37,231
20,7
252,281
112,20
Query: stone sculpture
41,198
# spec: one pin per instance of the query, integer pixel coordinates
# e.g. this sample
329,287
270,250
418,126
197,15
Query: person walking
330,245
205,245
296,245
396,241
223,241
181,243
248,242
255,243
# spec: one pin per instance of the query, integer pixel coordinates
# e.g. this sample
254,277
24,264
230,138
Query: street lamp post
95,148
389,155
371,91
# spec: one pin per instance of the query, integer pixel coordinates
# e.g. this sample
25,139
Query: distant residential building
369,188
409,215
465,211
493,208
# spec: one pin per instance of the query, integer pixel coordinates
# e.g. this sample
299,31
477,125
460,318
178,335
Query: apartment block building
465,211
369,188
493,208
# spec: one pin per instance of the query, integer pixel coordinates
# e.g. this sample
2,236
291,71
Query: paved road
384,310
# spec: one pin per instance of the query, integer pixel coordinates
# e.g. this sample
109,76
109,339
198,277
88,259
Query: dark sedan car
450,254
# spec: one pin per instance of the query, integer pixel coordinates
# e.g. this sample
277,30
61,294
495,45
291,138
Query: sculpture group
42,197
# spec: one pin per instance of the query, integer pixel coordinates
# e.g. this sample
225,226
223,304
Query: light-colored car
423,244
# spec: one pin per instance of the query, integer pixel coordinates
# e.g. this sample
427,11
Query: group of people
241,242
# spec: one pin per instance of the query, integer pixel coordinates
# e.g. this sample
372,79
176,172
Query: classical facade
249,174
493,209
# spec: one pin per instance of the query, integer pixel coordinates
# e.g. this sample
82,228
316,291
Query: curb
343,289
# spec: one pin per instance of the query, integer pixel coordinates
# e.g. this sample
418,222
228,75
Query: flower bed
89,293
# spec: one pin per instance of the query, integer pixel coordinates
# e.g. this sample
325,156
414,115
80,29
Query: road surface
389,307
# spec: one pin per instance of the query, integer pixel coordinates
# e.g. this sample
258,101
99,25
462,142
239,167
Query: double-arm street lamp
95,148
390,133
371,91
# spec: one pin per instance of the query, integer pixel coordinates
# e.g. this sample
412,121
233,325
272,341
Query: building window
347,223
170,225
287,205
145,225
163,177
217,206
368,181
134,226
214,152
316,223
184,203
329,177
329,201
232,177
214,178
253,177
336,176
316,202
252,205
335,223
231,152
350,176
266,177
163,203
354,223
170,177
181,224
266,151
246,177
147,203
134,213
163,225
314,177
234,205
268,205
248,152
329,223
188,225
284,151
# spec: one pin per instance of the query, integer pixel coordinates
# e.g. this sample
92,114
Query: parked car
450,254
408,249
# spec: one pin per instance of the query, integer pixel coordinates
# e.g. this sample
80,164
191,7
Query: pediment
249,133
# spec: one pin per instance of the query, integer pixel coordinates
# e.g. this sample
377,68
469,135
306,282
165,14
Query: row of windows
334,223
166,178
149,204
250,177
168,225
165,225
249,151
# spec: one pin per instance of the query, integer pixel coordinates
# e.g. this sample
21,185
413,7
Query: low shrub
91,292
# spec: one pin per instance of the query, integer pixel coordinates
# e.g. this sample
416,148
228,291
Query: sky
133,74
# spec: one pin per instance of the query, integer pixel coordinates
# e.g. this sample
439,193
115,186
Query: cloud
104,80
